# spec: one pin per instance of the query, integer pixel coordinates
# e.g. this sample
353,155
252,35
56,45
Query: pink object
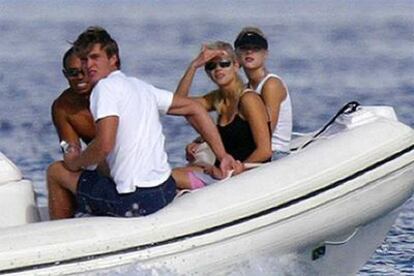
196,182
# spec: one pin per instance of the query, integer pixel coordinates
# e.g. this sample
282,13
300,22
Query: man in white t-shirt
128,136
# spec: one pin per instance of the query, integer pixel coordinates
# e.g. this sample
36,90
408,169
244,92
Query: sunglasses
73,72
210,66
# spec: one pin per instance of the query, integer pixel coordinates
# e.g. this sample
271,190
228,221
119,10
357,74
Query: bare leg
181,178
62,185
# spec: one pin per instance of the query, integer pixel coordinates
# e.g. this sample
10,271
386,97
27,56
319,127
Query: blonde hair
221,45
218,98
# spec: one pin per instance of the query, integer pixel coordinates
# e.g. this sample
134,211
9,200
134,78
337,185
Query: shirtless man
71,115
70,111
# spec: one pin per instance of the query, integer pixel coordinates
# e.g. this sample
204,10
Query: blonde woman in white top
252,51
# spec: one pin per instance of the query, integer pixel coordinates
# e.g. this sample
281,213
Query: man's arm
66,131
63,128
98,149
198,117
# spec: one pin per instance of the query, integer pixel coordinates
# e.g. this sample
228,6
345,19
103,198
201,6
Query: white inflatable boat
331,202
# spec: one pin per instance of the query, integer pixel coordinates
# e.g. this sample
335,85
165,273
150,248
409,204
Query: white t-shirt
282,133
138,158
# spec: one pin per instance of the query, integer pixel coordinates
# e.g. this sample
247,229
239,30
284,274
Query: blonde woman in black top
242,120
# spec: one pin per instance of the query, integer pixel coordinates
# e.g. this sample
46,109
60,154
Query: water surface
328,52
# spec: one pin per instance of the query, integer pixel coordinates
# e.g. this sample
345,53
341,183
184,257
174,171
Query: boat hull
319,204
278,233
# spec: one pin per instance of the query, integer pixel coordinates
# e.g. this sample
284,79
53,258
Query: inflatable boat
331,202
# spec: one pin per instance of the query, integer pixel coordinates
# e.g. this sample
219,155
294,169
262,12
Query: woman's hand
238,167
214,172
190,151
235,168
206,55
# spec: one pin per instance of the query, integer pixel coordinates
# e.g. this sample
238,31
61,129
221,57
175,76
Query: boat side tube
361,173
17,197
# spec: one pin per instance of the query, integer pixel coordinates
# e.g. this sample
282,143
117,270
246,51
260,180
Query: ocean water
328,52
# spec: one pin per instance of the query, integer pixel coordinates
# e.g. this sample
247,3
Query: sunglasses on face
73,72
210,66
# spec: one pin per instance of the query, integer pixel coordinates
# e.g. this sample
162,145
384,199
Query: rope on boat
343,241
346,109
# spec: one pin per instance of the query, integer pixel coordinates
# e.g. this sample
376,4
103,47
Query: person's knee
180,176
55,173
60,177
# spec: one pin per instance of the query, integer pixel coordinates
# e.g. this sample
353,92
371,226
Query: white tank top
282,134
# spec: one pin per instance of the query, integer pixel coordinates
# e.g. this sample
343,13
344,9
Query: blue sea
328,52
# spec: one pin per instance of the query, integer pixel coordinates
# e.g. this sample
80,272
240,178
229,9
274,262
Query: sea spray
130,270
264,265
284,265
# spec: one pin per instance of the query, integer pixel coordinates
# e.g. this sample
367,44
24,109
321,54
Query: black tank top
237,138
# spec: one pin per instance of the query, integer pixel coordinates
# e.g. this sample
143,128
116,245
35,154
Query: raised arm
273,94
202,58
254,112
183,88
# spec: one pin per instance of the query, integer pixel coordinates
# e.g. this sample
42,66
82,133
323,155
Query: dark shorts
97,195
